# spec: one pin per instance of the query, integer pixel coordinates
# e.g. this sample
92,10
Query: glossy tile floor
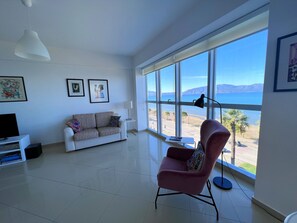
109,184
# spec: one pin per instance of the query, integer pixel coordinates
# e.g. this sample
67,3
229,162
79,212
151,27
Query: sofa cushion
86,134
103,118
87,121
105,131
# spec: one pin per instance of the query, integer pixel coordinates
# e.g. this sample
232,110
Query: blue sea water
251,98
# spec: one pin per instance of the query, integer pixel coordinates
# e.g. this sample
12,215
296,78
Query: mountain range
221,88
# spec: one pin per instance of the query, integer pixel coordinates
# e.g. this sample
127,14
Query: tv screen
8,126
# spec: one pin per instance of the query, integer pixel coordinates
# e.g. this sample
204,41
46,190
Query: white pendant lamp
29,45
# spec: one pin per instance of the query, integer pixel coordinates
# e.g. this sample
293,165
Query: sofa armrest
123,127
68,138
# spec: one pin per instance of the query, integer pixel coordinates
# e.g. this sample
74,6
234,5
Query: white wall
48,106
276,180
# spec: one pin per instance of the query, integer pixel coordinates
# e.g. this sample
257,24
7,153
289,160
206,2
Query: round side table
291,218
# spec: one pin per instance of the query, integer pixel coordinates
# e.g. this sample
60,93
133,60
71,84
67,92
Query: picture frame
75,87
285,77
12,89
98,90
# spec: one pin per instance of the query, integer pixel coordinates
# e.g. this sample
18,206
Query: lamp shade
200,101
30,47
129,105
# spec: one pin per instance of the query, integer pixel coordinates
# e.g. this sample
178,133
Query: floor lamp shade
30,47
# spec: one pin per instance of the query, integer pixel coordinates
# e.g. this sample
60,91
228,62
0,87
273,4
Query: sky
241,62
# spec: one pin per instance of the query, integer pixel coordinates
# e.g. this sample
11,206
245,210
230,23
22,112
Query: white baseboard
270,210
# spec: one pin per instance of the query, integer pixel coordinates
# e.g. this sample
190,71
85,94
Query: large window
232,74
167,97
240,70
239,82
193,81
152,96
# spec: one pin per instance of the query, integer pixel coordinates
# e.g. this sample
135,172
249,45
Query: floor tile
125,210
139,186
88,207
13,215
197,217
254,215
40,197
116,182
105,180
167,214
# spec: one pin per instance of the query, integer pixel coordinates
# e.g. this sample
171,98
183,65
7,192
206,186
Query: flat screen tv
8,126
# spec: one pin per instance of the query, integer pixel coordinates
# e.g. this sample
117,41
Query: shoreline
246,149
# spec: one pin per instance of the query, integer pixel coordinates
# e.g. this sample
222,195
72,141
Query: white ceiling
121,27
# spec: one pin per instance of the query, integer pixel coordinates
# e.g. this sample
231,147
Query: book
175,138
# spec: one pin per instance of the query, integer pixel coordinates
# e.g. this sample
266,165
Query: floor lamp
220,182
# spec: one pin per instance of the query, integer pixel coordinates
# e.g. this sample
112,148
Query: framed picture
12,89
75,87
98,89
285,78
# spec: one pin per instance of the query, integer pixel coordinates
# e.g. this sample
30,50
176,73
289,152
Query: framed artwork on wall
12,89
75,87
285,78
98,90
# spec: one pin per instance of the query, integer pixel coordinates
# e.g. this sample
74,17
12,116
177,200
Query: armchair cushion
173,175
173,164
196,161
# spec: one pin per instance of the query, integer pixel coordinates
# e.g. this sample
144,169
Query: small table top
130,120
292,218
183,140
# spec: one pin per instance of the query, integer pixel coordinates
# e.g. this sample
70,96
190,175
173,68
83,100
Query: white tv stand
12,149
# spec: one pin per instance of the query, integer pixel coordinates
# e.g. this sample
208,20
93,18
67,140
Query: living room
48,106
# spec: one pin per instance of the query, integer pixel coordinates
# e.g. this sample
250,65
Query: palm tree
167,113
185,114
235,121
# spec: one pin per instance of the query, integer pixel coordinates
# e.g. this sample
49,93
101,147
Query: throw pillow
114,121
196,160
74,124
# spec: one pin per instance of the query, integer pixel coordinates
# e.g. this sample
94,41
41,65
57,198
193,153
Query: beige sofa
95,130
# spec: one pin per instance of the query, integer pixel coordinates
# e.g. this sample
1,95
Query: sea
249,98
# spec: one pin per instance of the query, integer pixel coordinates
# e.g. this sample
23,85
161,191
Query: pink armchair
174,175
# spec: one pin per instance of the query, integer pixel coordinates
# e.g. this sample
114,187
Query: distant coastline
221,89
229,94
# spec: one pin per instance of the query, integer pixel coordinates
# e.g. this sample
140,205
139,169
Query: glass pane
168,120
151,86
242,146
152,116
194,73
167,83
192,118
240,70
